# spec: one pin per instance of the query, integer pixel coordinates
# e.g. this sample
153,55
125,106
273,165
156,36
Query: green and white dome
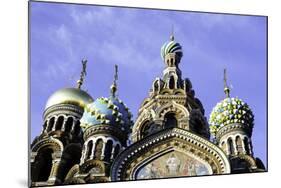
229,111
171,47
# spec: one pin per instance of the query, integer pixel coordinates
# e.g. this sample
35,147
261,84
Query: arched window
149,128
246,145
59,123
172,62
172,82
117,150
89,149
230,146
51,124
43,165
98,149
239,146
68,124
77,128
108,150
170,121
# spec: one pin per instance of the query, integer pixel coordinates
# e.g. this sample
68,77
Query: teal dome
229,111
107,111
171,47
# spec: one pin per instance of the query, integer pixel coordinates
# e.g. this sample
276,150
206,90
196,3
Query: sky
61,35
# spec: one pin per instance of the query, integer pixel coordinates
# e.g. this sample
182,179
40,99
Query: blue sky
63,34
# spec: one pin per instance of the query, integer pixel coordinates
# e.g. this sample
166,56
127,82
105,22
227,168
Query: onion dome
106,111
171,47
229,111
72,96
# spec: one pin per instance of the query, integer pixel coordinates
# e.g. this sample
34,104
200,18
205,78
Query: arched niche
172,84
148,128
170,120
44,153
108,150
41,168
68,124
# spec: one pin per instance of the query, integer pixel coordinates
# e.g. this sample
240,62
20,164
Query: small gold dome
73,96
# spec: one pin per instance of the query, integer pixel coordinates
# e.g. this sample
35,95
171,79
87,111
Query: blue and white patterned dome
228,111
107,111
171,47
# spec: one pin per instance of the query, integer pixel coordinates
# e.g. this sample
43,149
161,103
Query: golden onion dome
73,96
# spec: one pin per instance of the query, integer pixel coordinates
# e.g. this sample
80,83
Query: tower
171,102
106,125
171,134
59,145
231,124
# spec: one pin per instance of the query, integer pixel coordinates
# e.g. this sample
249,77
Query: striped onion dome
107,111
229,111
171,47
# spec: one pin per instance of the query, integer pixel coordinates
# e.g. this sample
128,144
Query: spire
83,74
226,88
114,85
172,36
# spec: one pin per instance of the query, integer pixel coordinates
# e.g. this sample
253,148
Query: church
87,140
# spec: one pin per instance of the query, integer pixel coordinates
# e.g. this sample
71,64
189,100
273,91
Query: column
93,150
55,124
84,151
63,125
243,146
227,147
48,125
250,147
112,152
103,151
55,166
234,146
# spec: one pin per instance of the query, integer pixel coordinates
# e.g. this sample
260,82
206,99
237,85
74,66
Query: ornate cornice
105,129
63,109
233,127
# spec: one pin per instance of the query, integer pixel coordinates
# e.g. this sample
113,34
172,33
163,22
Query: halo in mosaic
228,111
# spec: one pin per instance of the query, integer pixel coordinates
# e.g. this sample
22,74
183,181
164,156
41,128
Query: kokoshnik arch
86,140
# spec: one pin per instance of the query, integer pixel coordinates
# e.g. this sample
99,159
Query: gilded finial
114,85
83,74
226,88
172,37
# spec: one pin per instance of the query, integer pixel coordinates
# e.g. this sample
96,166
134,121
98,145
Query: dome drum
104,129
233,128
